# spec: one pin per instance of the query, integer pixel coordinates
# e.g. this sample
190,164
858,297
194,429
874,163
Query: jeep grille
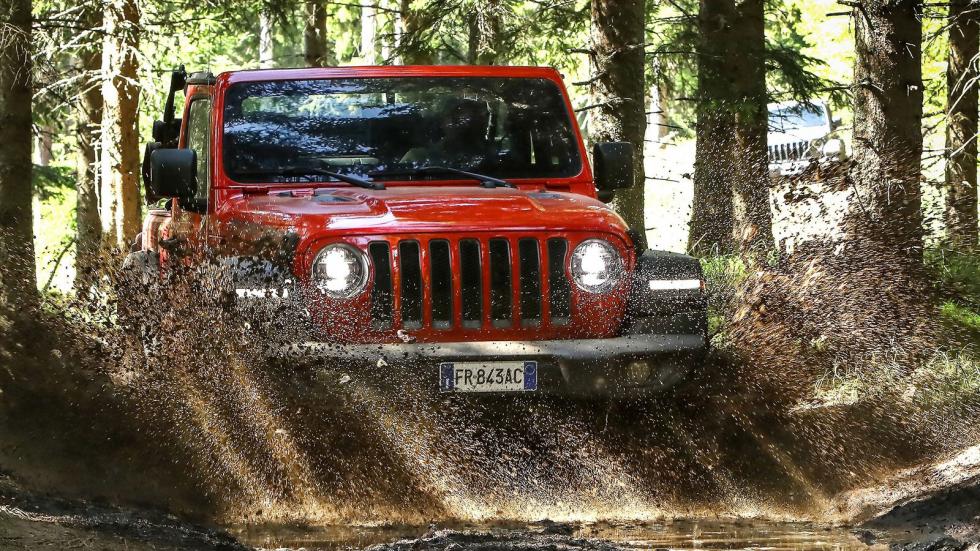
788,151
497,282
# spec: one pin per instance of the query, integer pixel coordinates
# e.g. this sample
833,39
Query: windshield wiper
485,181
314,171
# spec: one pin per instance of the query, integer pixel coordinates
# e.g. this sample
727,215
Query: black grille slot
411,276
471,287
500,283
530,282
441,279
560,289
382,309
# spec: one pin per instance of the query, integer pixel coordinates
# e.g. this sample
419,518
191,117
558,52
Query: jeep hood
420,209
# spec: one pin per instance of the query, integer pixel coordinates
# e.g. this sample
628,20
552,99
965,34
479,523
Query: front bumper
578,367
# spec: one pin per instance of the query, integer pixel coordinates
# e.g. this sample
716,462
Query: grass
945,378
957,277
950,373
723,275
957,274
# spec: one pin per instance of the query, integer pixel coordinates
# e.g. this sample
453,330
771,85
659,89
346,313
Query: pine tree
618,94
88,233
887,127
731,180
120,198
18,284
485,34
316,46
961,119
712,216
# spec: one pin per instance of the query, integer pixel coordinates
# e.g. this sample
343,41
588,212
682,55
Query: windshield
501,127
797,116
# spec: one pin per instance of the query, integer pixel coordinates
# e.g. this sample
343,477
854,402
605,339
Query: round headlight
340,271
596,266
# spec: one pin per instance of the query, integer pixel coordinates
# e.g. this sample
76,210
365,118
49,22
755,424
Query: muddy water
674,535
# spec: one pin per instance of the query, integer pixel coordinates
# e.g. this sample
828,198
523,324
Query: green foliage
50,181
528,33
961,316
723,275
792,73
957,274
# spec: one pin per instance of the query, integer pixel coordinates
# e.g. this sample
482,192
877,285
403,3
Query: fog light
637,372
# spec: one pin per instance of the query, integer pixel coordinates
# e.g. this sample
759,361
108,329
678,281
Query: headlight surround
596,266
340,271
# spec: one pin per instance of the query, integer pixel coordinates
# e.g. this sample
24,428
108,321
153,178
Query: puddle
673,535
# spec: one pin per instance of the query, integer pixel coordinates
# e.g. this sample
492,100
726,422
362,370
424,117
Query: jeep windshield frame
505,127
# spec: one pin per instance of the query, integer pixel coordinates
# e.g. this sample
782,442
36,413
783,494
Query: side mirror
148,194
173,173
613,166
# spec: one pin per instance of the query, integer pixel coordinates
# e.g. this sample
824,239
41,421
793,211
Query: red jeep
445,218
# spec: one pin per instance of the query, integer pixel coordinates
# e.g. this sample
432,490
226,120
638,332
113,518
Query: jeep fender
255,277
667,295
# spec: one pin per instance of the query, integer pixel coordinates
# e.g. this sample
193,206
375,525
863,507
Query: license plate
488,376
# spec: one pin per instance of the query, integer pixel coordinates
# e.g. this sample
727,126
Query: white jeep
801,133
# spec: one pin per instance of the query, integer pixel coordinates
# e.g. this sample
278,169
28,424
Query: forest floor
786,441
942,517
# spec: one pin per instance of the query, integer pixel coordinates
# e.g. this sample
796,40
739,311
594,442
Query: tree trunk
659,120
369,34
45,144
411,42
712,216
485,34
18,283
267,55
618,93
731,178
88,232
751,212
961,124
120,198
887,128
315,44
389,26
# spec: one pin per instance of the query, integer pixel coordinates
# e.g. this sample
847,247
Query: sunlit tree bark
18,284
267,56
411,43
316,46
887,126
88,233
369,33
618,93
120,197
659,104
43,147
961,123
389,28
